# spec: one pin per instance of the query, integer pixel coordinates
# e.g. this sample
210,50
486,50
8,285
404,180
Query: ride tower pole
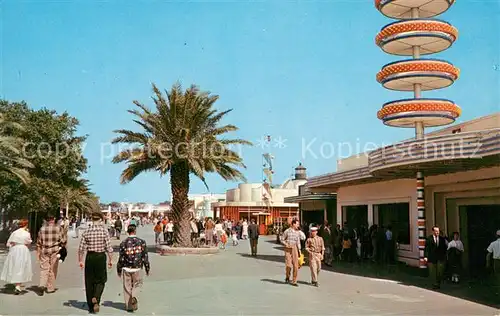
416,34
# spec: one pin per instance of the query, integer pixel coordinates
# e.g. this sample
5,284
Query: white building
200,204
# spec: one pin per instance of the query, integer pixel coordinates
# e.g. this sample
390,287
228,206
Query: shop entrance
480,223
312,217
355,215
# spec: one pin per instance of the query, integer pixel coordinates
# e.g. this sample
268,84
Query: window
355,215
397,215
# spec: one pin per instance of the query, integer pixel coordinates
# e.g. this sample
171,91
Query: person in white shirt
494,251
170,232
455,251
218,230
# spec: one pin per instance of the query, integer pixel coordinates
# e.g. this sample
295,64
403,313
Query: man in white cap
494,250
316,249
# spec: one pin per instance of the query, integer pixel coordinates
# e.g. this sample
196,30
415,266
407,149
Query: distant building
261,202
200,204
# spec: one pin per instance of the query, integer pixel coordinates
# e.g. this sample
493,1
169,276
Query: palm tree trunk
179,180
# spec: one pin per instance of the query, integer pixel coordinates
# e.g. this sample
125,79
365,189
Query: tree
11,155
55,152
80,198
181,136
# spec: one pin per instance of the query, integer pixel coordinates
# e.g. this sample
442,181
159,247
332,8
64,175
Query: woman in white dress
244,235
17,267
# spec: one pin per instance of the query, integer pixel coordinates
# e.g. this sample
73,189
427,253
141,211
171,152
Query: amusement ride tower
416,34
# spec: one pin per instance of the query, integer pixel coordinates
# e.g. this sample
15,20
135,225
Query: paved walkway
232,283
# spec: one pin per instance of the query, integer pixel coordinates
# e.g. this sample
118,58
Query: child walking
234,236
223,240
158,230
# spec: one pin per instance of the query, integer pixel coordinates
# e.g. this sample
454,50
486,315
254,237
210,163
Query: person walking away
17,266
78,222
157,229
326,234
291,240
435,257
315,247
253,234
133,256
455,251
118,227
50,239
494,254
209,232
95,243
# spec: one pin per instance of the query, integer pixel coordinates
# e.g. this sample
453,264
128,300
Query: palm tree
182,136
80,197
11,153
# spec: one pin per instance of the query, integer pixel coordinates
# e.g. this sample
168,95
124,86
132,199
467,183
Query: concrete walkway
232,283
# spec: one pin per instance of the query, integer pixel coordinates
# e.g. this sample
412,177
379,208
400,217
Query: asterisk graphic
280,142
262,142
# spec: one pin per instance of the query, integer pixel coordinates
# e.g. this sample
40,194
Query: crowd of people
443,255
321,244
95,256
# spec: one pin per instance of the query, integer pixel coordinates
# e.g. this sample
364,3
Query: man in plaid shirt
50,238
95,242
291,240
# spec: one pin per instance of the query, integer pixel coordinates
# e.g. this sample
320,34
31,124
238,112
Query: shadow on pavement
273,281
76,304
283,282
275,258
477,291
9,289
115,305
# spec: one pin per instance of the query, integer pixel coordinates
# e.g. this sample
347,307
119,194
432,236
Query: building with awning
461,164
261,202
315,207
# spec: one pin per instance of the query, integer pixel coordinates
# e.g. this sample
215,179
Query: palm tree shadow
76,304
116,305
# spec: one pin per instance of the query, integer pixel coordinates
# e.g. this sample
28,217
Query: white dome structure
299,179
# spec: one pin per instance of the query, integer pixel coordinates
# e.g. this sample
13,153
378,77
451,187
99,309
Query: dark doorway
482,223
355,215
313,217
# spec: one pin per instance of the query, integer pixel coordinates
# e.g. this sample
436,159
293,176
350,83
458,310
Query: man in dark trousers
253,235
435,257
96,244
133,257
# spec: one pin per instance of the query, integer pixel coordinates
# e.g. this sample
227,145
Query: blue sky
302,72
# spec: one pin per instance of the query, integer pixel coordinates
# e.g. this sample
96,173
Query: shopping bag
302,260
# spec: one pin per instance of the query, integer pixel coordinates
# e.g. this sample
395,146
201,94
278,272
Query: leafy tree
11,156
181,136
55,152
